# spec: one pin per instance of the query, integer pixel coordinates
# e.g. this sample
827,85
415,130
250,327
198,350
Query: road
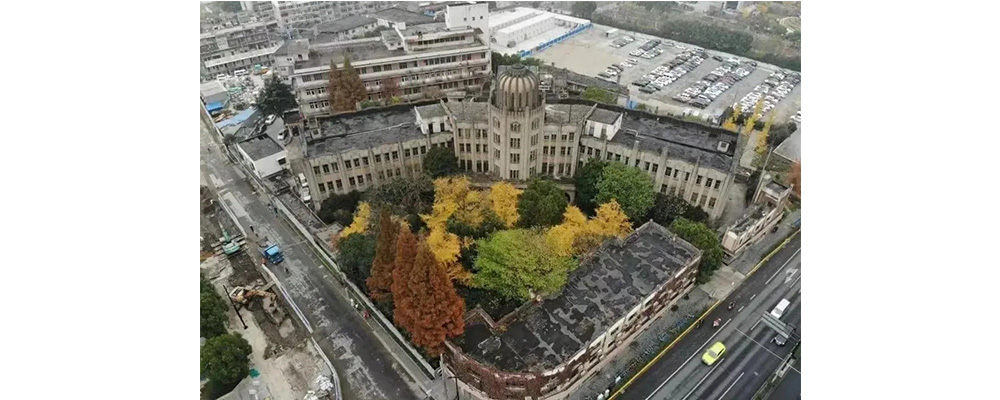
366,370
750,357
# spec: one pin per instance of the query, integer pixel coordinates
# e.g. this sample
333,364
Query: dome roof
517,89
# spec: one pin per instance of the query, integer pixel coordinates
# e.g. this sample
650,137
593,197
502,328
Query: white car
270,119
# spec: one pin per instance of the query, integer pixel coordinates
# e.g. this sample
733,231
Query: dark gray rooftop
605,116
597,294
432,111
687,141
366,50
562,114
363,130
791,148
344,24
469,111
400,15
259,147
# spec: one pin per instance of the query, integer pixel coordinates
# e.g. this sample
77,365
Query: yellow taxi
714,353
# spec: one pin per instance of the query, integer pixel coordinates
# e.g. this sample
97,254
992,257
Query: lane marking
718,363
783,265
731,386
754,295
703,315
689,359
754,325
740,309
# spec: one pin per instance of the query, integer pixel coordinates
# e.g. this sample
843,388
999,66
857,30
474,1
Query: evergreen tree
334,86
352,89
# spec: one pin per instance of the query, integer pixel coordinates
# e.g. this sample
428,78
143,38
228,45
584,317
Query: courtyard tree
339,208
355,256
632,188
360,222
517,264
380,281
585,180
351,90
541,204
434,312
599,95
561,237
403,298
406,197
225,358
668,207
503,197
704,239
276,97
440,161
334,87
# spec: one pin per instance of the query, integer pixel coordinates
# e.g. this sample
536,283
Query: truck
271,252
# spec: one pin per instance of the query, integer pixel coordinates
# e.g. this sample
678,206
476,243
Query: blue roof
272,250
238,119
214,106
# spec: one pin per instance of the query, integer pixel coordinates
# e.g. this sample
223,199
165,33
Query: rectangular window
711,202
496,154
618,157
515,143
571,135
315,170
351,181
335,167
378,158
694,197
563,138
423,149
560,168
364,160
515,174
703,199
515,158
496,138
717,184
655,167
591,130
381,175
406,153
698,181
361,180
395,155
340,185
347,164
590,151
708,182
646,165
322,187
687,175
326,169
357,163
597,153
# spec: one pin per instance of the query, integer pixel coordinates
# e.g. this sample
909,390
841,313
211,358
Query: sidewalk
663,330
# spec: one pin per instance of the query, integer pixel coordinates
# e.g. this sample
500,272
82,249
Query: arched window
515,127
496,122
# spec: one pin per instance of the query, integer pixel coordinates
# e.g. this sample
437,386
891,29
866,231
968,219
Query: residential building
263,155
214,96
344,29
240,47
547,347
765,213
516,136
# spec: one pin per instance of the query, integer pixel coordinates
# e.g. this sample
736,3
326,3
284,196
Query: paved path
365,368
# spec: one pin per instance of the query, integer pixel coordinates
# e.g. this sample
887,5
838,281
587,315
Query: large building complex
546,348
241,46
406,61
516,136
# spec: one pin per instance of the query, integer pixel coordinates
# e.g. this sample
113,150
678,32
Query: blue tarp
215,106
238,119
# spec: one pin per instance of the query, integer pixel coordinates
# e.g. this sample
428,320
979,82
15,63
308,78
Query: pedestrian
366,315
252,231
286,270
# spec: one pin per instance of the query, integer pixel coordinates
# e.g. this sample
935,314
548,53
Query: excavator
243,294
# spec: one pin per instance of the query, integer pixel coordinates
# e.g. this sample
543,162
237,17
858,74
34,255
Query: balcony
425,68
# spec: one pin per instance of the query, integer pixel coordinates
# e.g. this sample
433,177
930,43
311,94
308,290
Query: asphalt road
680,373
366,370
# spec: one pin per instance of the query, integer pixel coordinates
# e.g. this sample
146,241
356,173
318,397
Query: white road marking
731,386
688,360
790,273
741,309
783,265
717,363
754,295
754,325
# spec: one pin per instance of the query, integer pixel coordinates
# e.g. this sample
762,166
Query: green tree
586,180
705,240
225,358
498,59
213,311
584,9
517,264
406,197
667,208
779,133
339,208
276,97
630,186
334,86
541,204
356,254
440,161
599,95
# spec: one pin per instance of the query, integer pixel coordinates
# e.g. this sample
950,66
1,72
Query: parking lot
589,53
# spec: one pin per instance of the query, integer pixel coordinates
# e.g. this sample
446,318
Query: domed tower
517,118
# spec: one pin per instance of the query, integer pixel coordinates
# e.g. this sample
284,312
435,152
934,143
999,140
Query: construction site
285,363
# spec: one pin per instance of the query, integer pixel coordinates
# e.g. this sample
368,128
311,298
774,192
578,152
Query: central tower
517,117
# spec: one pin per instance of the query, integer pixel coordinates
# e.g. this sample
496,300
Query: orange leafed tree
433,310
796,178
380,281
406,252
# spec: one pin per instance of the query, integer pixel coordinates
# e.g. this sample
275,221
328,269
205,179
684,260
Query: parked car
270,119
